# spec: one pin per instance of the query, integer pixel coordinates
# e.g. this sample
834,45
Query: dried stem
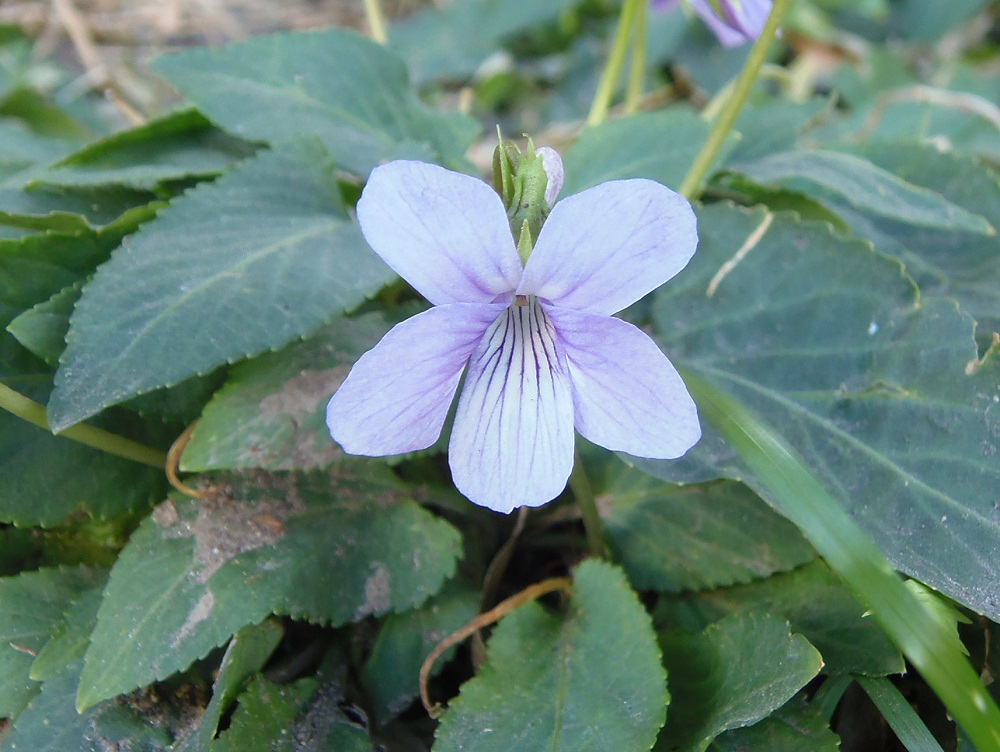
530,593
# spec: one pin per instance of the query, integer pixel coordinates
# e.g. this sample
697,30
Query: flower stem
780,474
613,68
741,90
637,62
376,22
584,493
96,438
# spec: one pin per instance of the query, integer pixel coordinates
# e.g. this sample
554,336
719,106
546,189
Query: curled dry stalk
530,593
172,464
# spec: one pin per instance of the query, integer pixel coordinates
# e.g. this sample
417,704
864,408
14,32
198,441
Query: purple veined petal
443,232
603,249
397,396
512,443
626,394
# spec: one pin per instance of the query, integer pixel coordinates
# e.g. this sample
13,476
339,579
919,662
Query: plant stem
376,22
637,63
530,593
96,438
613,68
781,476
584,493
741,90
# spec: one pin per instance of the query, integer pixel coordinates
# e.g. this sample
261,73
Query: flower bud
528,184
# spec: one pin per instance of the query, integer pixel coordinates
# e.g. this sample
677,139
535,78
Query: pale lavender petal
512,444
397,396
443,232
723,30
601,250
553,165
747,16
626,394
664,6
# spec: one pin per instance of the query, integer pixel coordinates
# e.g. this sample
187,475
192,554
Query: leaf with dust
328,547
271,413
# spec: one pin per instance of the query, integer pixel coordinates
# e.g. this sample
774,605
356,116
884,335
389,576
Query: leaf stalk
96,438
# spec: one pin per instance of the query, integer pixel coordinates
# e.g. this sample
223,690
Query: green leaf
912,19
22,149
247,653
177,146
670,538
70,639
36,267
52,724
32,606
41,115
349,91
265,713
902,718
817,605
229,270
47,478
36,465
957,115
328,548
946,263
291,718
587,680
20,550
851,553
42,328
390,674
866,187
733,674
620,148
772,127
794,727
145,721
271,413
881,392
64,209
452,41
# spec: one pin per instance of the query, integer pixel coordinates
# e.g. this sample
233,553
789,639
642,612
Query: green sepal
520,180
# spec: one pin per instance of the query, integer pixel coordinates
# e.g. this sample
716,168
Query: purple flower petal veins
512,443
540,351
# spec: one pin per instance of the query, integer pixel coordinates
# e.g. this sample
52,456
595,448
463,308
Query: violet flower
537,342
740,21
